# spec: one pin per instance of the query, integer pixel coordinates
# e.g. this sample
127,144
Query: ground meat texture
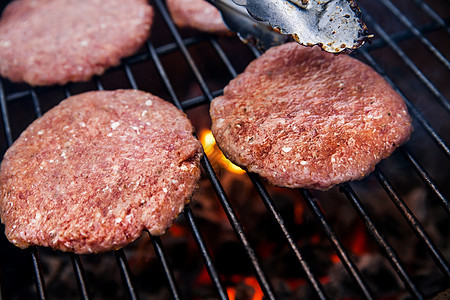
45,42
197,14
98,169
301,117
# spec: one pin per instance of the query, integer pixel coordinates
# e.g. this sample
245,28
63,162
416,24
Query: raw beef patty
301,117
98,169
45,42
197,14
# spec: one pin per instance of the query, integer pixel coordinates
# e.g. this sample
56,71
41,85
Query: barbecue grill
385,237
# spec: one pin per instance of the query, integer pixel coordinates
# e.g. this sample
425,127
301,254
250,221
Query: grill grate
399,29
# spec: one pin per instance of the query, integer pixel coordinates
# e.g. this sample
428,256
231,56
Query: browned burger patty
45,42
96,170
197,14
301,117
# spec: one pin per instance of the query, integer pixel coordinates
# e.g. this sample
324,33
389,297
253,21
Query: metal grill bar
341,252
160,252
311,278
80,276
125,273
432,14
183,49
36,105
5,116
407,61
200,100
389,252
17,95
130,76
398,14
162,73
38,274
265,284
414,223
223,57
402,36
426,179
205,254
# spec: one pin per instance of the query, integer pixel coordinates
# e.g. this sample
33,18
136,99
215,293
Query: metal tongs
334,25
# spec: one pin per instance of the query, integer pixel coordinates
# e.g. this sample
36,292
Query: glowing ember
335,259
177,231
360,244
248,281
214,154
252,282
298,213
231,291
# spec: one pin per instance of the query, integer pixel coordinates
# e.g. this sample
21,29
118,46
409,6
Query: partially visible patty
96,170
301,117
45,42
197,14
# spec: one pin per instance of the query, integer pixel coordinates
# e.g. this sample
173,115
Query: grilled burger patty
197,14
56,41
96,170
301,117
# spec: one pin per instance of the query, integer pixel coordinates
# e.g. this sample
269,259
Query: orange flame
214,154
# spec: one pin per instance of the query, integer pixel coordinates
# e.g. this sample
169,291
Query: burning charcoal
374,269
